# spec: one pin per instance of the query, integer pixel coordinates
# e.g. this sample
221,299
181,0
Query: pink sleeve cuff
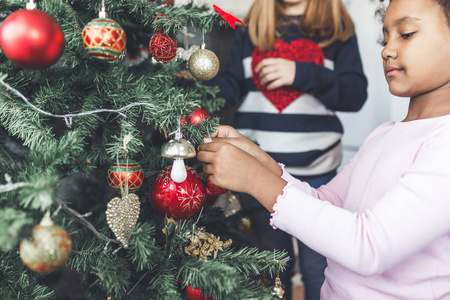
276,205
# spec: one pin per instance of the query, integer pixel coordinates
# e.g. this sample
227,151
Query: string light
68,117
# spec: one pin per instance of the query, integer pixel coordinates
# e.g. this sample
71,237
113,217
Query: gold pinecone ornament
122,214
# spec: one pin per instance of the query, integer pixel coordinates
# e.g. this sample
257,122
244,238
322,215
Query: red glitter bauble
198,115
126,172
178,200
162,47
214,189
31,39
194,294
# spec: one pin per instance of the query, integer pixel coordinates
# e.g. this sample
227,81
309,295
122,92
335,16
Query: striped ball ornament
104,39
125,173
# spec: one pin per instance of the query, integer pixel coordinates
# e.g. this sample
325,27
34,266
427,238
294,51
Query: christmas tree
95,96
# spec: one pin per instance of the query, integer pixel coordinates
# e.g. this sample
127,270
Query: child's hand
229,166
276,72
234,169
227,134
230,135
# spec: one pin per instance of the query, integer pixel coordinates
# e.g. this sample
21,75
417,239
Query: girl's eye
406,36
383,43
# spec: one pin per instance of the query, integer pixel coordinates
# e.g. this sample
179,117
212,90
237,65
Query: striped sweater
296,125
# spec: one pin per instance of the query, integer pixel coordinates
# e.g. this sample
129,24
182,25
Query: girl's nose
388,52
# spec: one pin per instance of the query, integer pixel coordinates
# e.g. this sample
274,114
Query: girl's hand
234,169
228,166
228,134
276,72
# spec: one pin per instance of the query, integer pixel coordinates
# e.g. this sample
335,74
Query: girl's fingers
275,84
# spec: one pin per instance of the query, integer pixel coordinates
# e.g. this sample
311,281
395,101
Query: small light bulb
178,173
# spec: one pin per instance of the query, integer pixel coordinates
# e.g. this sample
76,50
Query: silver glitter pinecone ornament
204,64
122,214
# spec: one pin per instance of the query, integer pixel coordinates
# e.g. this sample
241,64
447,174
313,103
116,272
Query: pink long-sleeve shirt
384,221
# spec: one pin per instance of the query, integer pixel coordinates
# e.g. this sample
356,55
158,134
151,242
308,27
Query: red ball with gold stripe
104,39
178,200
48,248
125,173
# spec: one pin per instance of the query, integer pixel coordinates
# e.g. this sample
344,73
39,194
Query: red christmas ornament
178,200
31,39
210,197
126,172
195,117
198,115
104,38
161,46
214,189
194,294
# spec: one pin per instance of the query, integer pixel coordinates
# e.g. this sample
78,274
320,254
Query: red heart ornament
301,50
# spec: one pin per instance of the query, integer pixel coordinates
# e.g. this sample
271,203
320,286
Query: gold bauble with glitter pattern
48,248
203,64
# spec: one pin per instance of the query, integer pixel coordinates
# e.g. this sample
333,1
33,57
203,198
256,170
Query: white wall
381,106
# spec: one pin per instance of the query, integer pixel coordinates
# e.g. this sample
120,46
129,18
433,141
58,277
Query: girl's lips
391,70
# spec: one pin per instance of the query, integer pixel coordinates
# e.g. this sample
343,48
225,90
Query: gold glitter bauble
121,215
204,64
48,249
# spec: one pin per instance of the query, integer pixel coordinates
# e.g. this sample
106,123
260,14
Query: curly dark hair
444,3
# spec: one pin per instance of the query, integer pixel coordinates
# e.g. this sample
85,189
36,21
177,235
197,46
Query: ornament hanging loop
31,5
161,15
102,13
203,45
